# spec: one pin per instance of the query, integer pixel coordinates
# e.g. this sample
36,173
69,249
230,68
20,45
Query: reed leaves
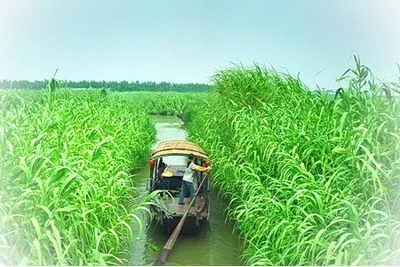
66,189
312,179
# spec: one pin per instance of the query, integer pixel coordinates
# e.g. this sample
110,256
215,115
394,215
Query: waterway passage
215,244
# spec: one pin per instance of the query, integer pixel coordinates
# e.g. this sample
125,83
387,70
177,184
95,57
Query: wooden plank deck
175,208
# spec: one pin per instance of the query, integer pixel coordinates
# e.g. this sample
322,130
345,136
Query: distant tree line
123,86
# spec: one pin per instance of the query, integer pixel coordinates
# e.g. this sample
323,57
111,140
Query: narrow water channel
215,244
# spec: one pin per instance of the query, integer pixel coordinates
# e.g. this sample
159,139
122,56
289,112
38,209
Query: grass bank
311,179
67,195
168,103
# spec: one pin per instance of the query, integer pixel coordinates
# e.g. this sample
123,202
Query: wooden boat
168,177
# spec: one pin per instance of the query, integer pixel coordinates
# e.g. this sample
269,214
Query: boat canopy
178,147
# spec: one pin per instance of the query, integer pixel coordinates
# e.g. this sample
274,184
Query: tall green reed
311,179
66,195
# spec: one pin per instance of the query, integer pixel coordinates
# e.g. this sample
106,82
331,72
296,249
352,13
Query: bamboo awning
178,147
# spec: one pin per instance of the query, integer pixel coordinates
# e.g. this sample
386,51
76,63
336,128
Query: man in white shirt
188,177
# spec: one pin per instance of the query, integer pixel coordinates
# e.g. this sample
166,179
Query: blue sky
187,41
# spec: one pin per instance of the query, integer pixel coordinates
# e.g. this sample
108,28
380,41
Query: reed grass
67,193
311,179
167,103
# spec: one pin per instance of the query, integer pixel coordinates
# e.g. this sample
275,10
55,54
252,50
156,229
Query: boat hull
169,217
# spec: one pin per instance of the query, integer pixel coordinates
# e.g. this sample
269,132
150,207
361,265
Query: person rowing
188,177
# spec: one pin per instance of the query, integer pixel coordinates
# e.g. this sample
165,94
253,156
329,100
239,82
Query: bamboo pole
162,257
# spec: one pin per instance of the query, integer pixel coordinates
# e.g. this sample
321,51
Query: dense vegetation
123,86
67,196
169,103
311,179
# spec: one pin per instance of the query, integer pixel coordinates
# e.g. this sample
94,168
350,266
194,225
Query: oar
162,257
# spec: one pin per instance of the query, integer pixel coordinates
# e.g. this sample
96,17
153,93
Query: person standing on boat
188,177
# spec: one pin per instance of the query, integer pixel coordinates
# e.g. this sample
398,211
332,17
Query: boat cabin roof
178,147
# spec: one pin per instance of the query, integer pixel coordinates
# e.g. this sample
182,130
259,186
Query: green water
215,244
